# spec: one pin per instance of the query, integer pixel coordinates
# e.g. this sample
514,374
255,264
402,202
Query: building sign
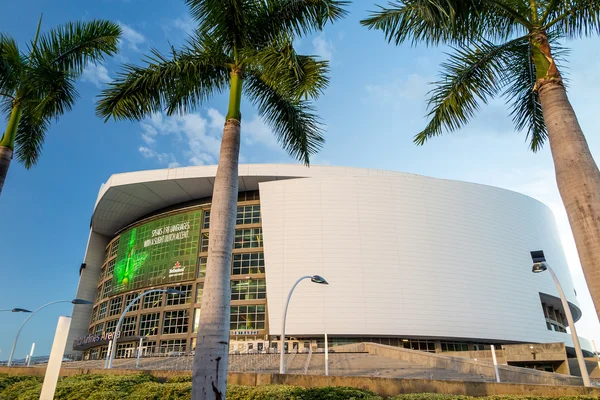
94,338
158,252
242,332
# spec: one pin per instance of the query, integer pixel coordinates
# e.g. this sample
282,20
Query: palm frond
446,21
72,46
226,21
50,88
297,128
172,84
574,19
12,65
296,18
470,77
30,136
520,78
525,107
298,76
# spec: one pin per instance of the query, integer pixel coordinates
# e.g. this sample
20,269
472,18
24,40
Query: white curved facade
405,255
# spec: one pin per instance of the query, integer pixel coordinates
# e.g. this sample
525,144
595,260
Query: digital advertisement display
161,251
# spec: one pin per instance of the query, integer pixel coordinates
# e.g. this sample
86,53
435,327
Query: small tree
508,48
243,47
40,86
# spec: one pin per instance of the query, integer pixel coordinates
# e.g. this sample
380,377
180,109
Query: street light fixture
111,354
12,351
541,266
17,310
315,279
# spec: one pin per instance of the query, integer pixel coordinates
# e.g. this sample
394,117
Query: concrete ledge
381,386
459,364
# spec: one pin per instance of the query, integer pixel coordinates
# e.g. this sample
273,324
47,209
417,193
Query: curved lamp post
541,267
12,351
111,354
315,279
16,310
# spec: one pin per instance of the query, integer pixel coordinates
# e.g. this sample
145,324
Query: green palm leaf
12,65
30,136
471,76
297,75
179,83
293,121
41,85
72,46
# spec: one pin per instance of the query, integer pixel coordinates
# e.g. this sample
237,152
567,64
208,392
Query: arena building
412,261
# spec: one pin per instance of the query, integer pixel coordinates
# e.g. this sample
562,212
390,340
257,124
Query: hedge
146,387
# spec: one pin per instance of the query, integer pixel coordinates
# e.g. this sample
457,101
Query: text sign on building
161,251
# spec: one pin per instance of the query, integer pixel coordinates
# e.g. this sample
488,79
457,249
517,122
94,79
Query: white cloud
131,37
395,94
149,140
256,132
96,74
217,120
186,24
323,47
191,141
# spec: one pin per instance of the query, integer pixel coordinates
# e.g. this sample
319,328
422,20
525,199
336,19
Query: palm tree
244,47
40,86
510,48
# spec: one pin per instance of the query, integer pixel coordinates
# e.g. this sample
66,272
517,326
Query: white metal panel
409,256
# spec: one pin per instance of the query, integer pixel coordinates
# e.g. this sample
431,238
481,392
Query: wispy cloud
193,141
96,74
323,47
256,132
413,87
186,24
131,37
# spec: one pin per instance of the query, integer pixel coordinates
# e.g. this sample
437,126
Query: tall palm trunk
578,179
5,158
7,143
209,379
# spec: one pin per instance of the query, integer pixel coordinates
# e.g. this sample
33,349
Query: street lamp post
541,267
111,354
12,351
16,310
315,279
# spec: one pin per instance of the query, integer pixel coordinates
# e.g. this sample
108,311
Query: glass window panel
206,219
153,300
196,320
149,324
248,289
248,263
177,299
129,298
115,306
128,326
176,322
102,312
199,291
248,238
202,267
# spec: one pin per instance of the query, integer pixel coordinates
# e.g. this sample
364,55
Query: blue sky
372,109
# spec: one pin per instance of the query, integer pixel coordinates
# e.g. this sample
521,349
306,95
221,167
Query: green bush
23,389
99,387
437,396
146,387
180,378
8,380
